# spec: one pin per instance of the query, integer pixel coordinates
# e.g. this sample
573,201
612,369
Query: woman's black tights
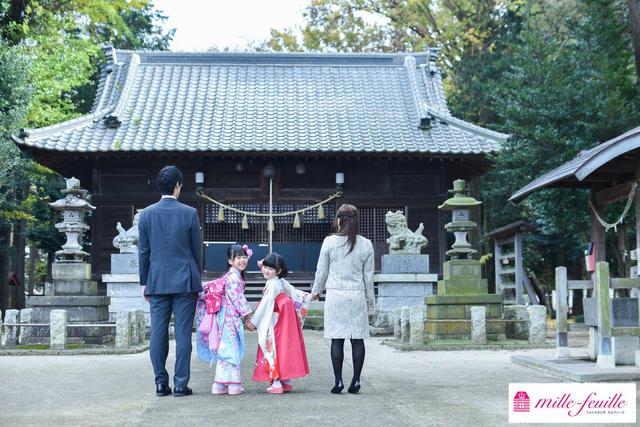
337,357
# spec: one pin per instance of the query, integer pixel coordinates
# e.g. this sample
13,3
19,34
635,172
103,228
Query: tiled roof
267,102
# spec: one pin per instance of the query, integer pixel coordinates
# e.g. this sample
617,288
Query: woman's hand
315,297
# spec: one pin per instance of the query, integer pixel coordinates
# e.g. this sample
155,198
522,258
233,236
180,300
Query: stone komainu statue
127,240
403,240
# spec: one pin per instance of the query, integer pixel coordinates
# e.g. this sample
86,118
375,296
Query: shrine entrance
299,246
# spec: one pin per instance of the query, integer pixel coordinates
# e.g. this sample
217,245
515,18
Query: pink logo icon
521,402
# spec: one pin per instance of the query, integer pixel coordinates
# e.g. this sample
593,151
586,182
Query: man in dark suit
169,255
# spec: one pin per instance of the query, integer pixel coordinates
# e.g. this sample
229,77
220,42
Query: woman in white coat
345,270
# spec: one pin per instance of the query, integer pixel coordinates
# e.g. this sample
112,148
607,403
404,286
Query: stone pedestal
72,290
449,316
123,286
462,287
462,277
404,281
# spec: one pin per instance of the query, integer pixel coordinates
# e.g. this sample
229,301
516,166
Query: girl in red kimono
281,351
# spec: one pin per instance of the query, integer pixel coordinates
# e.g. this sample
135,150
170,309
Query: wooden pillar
637,203
562,344
605,353
597,230
497,253
517,245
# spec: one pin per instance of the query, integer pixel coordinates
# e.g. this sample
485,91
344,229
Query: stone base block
463,299
128,303
462,269
606,362
516,330
71,271
459,306
124,263
463,286
126,290
405,263
67,301
456,329
624,349
71,288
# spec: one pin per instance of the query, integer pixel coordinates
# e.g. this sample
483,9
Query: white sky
201,24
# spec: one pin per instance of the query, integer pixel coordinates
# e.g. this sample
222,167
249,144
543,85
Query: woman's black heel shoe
354,388
337,389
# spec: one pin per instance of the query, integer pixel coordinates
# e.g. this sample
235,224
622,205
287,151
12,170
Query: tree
571,86
15,94
50,51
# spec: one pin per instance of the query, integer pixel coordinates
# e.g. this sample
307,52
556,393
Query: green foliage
570,86
50,52
556,74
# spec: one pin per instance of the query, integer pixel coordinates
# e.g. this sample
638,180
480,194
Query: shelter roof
592,166
267,102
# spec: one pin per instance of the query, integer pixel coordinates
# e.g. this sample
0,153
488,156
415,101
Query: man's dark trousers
183,307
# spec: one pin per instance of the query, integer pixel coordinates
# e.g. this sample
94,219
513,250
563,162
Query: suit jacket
169,248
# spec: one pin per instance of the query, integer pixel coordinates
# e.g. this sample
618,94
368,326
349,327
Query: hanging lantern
221,214
245,222
296,221
271,226
321,214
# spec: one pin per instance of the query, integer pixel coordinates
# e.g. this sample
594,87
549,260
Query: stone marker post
479,325
416,324
405,326
123,329
10,336
26,316
58,329
397,329
537,324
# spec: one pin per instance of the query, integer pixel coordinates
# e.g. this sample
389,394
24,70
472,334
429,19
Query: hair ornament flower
247,250
259,264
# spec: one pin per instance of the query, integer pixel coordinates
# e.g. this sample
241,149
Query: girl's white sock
276,384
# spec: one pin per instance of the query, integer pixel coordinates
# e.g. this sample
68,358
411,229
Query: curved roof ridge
27,135
469,127
115,118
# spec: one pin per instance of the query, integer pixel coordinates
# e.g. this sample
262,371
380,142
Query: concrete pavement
462,388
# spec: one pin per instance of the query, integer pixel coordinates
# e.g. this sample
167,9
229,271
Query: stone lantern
462,286
460,225
73,207
72,288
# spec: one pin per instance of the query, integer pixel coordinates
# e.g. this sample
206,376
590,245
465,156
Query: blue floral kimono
225,344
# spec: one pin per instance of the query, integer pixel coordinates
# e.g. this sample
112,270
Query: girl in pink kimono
281,351
224,343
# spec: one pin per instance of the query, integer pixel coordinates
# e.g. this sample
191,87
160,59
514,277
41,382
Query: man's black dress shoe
163,390
183,391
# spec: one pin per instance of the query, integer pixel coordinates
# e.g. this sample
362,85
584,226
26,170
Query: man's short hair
167,179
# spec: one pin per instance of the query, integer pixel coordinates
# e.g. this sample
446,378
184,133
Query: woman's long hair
346,224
